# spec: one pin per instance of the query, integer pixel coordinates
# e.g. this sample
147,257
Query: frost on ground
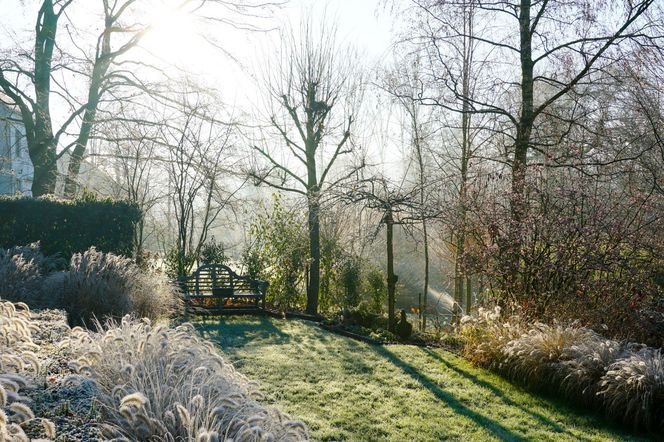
131,381
34,403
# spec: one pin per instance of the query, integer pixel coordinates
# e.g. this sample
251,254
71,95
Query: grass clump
104,285
16,361
584,364
626,381
632,389
162,383
535,357
485,337
22,270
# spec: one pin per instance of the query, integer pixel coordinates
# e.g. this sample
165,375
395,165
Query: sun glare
174,37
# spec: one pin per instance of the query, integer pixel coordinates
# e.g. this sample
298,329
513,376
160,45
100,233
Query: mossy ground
349,390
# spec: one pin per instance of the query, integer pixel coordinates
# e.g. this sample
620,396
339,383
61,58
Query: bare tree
314,85
558,47
195,162
136,159
396,206
23,70
404,84
32,78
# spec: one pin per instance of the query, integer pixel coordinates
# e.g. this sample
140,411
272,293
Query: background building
16,171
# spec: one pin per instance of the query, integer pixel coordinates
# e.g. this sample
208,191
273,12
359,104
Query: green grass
348,390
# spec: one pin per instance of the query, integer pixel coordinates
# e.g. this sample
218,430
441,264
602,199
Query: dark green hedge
66,227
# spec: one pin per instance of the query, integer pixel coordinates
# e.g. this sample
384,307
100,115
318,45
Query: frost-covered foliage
17,357
632,389
583,365
23,270
104,285
486,335
624,380
533,358
161,383
20,274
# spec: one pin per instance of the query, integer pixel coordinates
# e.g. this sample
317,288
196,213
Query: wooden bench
217,287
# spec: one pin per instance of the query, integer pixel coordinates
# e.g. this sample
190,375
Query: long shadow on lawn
230,333
500,394
490,425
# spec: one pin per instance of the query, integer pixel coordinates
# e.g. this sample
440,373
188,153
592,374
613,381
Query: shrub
572,257
403,327
281,243
632,389
350,278
168,384
376,288
104,285
485,337
65,227
647,325
363,317
213,252
178,263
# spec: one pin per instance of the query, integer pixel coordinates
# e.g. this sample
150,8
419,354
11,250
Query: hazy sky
177,39
360,22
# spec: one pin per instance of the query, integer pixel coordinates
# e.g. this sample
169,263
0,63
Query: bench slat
218,286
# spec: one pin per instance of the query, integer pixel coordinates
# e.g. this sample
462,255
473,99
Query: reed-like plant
161,383
486,335
632,390
103,285
535,357
17,360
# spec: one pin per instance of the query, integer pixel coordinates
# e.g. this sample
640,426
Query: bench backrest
218,280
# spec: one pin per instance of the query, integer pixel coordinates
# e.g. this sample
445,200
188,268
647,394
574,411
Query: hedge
66,227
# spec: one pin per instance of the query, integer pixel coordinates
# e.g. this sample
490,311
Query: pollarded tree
395,205
315,88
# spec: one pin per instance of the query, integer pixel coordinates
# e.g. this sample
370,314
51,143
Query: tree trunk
426,276
45,168
469,295
525,125
73,169
314,249
102,63
391,277
458,284
43,151
459,271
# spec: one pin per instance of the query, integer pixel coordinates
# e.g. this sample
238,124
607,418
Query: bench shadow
543,420
239,331
497,429
228,331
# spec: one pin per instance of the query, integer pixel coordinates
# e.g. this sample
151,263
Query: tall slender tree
315,87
